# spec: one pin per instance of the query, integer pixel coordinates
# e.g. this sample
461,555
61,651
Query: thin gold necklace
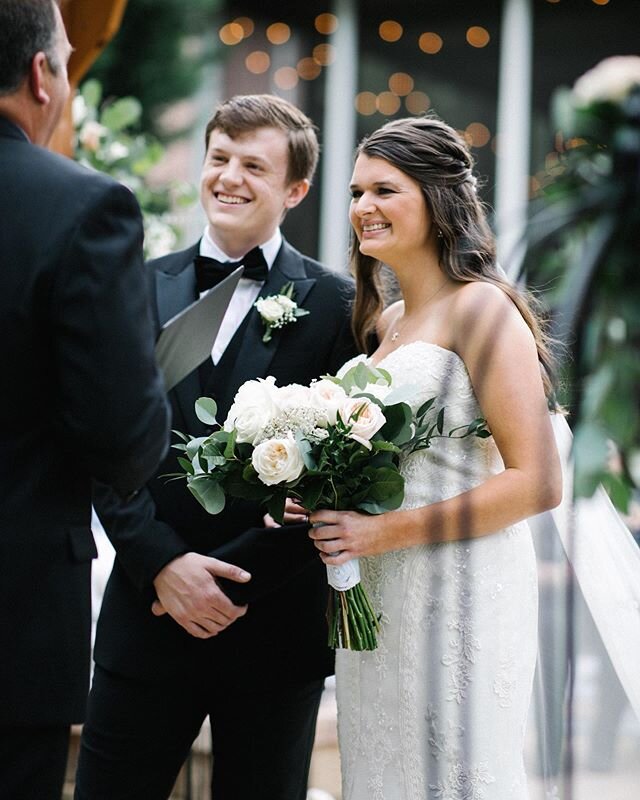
398,331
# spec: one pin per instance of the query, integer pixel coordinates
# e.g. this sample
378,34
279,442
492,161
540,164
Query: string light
326,23
257,62
308,68
401,84
231,33
477,134
390,30
324,54
430,43
246,24
478,36
365,103
417,102
285,78
278,33
387,103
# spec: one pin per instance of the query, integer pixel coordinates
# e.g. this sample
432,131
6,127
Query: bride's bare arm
500,355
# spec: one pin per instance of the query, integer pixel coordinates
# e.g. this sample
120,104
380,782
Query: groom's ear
296,193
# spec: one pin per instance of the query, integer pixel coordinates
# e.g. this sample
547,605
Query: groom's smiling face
244,188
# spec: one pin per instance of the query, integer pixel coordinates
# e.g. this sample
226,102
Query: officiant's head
34,51
261,154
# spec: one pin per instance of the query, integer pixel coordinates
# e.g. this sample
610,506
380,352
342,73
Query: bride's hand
293,513
348,534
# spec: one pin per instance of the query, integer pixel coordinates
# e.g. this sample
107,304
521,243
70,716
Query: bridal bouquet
335,444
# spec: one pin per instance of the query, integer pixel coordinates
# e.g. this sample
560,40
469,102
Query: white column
514,131
338,136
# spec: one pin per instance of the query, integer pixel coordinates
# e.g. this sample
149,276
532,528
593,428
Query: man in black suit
81,396
260,680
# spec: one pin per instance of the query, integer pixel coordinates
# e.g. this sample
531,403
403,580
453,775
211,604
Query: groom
259,680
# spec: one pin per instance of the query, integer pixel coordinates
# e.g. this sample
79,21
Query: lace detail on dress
437,712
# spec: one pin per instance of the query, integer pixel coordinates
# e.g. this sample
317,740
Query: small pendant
394,336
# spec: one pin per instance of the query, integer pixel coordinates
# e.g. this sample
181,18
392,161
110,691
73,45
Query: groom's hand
188,591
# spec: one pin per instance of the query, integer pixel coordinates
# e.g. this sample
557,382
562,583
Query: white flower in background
609,81
253,408
277,460
91,134
159,237
79,110
327,397
116,151
364,417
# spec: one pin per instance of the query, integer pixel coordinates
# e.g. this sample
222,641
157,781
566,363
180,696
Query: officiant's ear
296,192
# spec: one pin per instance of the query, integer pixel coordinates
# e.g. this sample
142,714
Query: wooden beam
90,24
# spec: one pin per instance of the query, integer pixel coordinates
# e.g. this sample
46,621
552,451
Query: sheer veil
584,729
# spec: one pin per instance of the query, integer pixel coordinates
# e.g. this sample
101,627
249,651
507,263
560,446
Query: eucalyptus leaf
208,493
206,410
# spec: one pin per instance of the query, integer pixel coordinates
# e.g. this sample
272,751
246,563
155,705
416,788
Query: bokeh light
401,83
278,33
430,43
365,103
257,62
324,54
231,33
477,134
477,36
308,68
601,2
246,24
390,30
285,78
417,102
387,103
326,23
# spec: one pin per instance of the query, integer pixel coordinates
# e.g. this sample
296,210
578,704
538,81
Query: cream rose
293,396
328,397
364,417
253,408
277,460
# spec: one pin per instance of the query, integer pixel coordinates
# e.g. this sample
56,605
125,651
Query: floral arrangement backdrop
584,251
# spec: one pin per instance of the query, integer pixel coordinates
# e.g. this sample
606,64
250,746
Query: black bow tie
210,272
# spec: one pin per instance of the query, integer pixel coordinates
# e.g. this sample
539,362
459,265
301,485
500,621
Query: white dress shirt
246,292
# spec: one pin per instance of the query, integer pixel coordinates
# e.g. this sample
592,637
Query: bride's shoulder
387,318
478,300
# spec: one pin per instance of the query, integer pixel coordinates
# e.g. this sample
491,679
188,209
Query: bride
438,711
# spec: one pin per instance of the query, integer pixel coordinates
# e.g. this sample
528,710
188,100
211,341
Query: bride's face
389,212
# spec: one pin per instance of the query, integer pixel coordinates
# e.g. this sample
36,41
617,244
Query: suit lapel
175,290
255,356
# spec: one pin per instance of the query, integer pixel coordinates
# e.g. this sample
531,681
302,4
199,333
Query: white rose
365,418
293,396
286,303
269,309
610,80
327,397
277,461
253,409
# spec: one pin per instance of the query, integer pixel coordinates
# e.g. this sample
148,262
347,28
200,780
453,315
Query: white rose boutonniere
278,310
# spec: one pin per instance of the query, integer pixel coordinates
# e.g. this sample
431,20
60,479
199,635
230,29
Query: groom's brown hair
248,112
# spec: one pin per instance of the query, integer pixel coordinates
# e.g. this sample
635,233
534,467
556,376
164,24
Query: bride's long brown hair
437,158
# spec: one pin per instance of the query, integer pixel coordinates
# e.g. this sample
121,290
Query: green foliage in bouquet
584,240
108,139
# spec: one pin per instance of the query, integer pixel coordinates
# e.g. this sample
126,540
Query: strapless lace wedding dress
438,711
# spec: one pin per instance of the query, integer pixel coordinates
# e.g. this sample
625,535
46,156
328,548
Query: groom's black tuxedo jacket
80,398
284,633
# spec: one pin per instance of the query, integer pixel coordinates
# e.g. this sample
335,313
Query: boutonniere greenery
278,310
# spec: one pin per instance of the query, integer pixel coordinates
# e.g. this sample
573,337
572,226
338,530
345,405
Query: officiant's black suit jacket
80,397
283,635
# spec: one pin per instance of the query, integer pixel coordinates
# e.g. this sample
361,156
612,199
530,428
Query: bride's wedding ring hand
343,535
